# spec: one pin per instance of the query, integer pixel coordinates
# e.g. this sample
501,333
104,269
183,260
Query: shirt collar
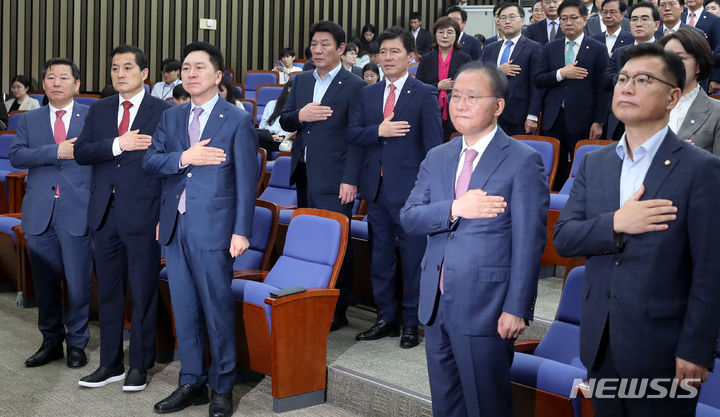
651,40
480,145
514,40
577,40
556,20
649,147
399,83
614,35
68,108
415,32
674,29
698,13
208,106
330,75
136,100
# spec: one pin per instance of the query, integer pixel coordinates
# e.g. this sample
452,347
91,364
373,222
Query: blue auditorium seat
279,190
709,402
254,78
263,95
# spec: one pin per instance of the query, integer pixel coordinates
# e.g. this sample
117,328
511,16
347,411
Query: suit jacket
710,24
585,100
592,26
221,198
356,70
526,98
398,157
660,32
427,71
491,40
136,193
490,265
34,148
330,160
471,46
702,123
423,42
659,289
538,32
624,38
28,104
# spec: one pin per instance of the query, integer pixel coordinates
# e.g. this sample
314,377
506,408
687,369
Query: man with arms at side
548,29
470,45
205,221
598,22
54,215
575,104
519,59
616,34
324,167
643,213
122,216
397,121
482,201
423,42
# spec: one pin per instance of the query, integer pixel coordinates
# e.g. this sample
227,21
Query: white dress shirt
667,30
163,90
415,33
611,39
549,26
576,49
136,100
399,83
678,113
697,12
66,117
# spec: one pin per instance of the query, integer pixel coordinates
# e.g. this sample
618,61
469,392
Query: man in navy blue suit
397,121
470,44
694,15
575,105
643,212
54,215
548,29
519,58
482,201
324,167
671,16
206,151
614,36
122,216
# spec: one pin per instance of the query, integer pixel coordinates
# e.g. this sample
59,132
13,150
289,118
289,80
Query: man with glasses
615,31
479,273
670,14
470,44
519,59
643,213
572,71
548,29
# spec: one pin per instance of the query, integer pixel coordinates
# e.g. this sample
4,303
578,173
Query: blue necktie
506,53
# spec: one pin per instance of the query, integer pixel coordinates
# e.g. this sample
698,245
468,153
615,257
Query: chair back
5,142
710,392
262,160
279,190
255,78
86,99
250,106
240,89
14,119
584,146
263,95
264,232
229,73
549,149
39,96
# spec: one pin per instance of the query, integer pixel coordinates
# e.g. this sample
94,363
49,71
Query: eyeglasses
610,12
551,1
644,19
351,53
508,18
668,4
445,33
573,18
471,100
639,80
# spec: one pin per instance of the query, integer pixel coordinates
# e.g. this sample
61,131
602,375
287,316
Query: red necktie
125,122
692,19
60,135
390,102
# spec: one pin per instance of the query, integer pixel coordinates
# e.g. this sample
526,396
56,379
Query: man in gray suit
607,21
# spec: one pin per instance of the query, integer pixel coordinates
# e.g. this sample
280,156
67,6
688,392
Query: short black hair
505,5
140,58
696,45
371,67
330,27
108,91
621,4
21,79
711,1
452,9
60,61
674,66
396,32
287,52
350,46
572,3
646,4
373,48
216,57
170,65
498,80
308,52
179,92
415,15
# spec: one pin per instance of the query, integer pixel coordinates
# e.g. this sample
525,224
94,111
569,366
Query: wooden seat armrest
310,293
17,174
526,345
289,207
251,275
358,217
14,215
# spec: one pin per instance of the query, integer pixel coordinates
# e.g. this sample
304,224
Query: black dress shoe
182,398
46,353
338,322
102,376
76,357
409,338
380,329
136,380
221,405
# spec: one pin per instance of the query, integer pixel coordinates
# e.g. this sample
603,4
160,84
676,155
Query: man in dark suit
575,105
469,43
598,22
423,41
671,16
397,121
519,59
122,215
54,215
694,15
324,167
548,29
479,273
205,221
643,213
616,33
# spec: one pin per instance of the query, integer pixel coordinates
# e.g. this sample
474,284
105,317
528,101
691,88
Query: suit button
384,142
608,294
189,175
617,262
118,165
308,132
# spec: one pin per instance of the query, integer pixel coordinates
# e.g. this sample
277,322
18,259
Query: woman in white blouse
696,118
20,85
271,115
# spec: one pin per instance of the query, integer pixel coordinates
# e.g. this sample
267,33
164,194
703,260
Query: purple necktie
194,135
462,187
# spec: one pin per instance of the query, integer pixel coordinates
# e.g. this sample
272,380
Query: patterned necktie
692,19
570,53
59,127
553,31
461,189
194,136
125,121
389,103
506,53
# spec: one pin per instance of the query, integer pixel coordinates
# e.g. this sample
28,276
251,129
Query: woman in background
20,85
271,121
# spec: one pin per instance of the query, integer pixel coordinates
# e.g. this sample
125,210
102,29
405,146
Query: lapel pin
587,46
339,82
221,116
692,122
77,114
667,162
408,91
